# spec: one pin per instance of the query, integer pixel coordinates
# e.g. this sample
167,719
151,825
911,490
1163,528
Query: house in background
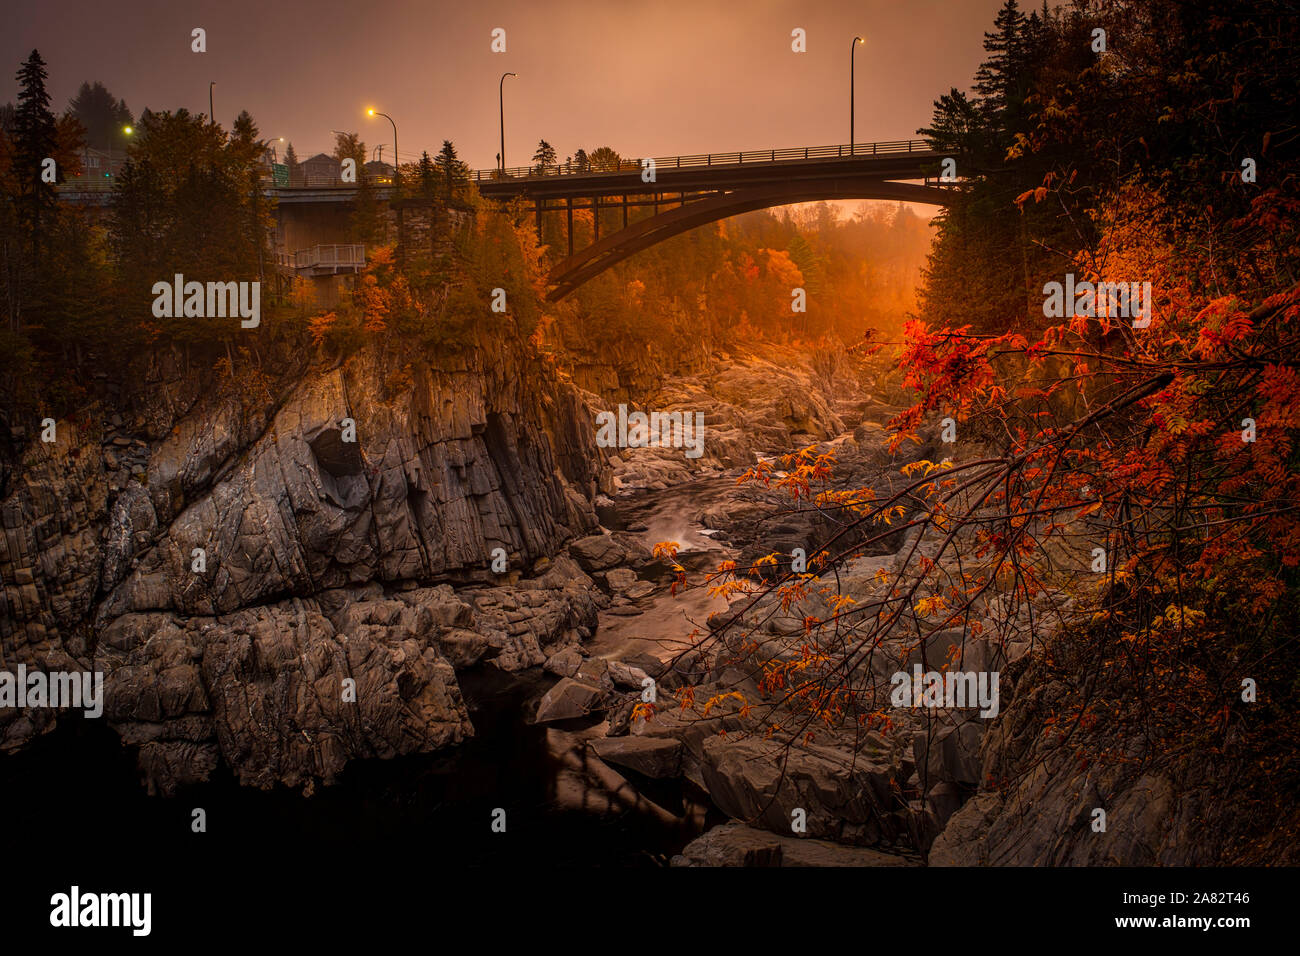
379,171
321,170
99,165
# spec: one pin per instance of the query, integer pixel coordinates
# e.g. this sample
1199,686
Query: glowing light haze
648,79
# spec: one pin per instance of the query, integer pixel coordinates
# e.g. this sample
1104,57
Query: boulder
598,552
620,579
652,665
564,663
568,699
640,590
657,757
624,675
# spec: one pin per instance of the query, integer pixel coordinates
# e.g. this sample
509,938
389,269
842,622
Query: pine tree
103,117
996,77
35,140
427,176
295,168
545,156
450,168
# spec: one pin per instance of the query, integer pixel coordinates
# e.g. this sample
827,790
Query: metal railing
337,256
516,173
749,157
96,185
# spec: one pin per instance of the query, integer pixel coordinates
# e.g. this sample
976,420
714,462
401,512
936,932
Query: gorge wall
322,559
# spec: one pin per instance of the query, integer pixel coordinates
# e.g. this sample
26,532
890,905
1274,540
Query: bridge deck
702,172
910,159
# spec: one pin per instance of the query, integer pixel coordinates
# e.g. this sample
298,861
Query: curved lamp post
501,97
396,160
853,49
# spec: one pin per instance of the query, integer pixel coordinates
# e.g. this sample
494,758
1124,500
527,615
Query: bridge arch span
581,267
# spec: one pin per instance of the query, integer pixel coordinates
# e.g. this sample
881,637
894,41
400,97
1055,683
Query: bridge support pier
570,230
538,206
625,210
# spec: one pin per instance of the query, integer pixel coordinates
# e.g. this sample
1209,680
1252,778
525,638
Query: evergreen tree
295,168
451,169
189,201
427,176
103,117
35,138
996,79
545,156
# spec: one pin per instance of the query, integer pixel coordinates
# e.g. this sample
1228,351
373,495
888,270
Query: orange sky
649,79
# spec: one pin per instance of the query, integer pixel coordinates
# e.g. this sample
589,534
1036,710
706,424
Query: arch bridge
690,191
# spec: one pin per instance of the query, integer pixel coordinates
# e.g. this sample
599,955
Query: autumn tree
605,159
1123,494
350,146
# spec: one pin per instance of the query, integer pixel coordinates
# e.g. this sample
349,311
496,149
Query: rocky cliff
266,574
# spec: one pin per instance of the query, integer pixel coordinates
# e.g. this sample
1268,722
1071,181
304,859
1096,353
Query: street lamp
853,49
396,159
211,118
501,95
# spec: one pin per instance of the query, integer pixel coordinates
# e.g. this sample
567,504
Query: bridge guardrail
518,173
893,147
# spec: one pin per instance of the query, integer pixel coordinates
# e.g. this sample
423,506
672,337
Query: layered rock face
255,575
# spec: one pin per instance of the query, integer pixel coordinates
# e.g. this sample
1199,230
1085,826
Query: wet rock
652,665
657,757
624,675
640,590
620,579
597,552
564,663
568,699
846,796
